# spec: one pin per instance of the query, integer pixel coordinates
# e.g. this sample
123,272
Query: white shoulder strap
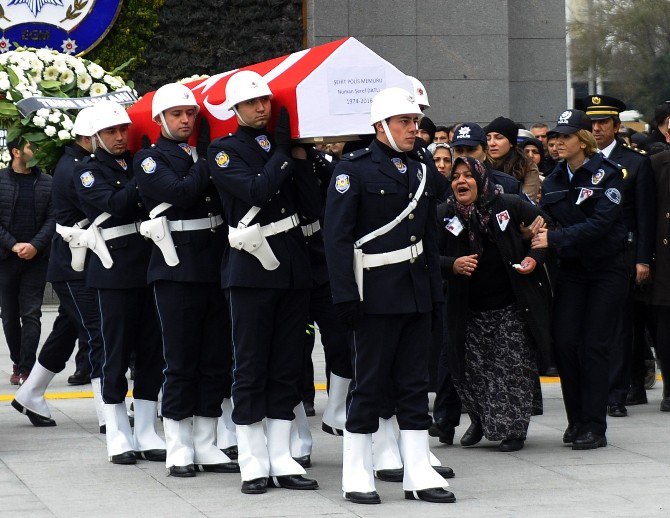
246,219
159,209
398,219
101,218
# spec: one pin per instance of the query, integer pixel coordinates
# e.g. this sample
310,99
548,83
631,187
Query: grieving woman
442,156
497,304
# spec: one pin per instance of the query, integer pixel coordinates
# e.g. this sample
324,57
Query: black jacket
532,292
661,272
45,222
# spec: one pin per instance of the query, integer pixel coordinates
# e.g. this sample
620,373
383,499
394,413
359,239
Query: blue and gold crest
264,142
342,183
400,166
222,159
122,163
87,179
69,26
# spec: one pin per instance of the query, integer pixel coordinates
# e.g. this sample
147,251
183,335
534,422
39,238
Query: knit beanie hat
506,127
427,125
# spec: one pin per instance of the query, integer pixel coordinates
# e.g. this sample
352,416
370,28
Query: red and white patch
584,194
503,219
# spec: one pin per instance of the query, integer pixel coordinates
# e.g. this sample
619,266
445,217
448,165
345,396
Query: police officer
638,215
583,196
264,185
117,269
78,311
185,226
384,251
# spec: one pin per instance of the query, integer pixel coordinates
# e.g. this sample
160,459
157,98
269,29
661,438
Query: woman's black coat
533,291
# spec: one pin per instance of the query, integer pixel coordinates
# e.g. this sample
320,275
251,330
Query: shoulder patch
149,165
222,159
342,183
613,195
354,155
87,179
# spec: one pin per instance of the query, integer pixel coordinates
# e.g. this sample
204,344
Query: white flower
67,77
98,89
45,55
64,135
96,71
84,81
36,64
42,112
67,122
4,84
8,96
39,121
49,131
50,73
54,117
6,157
60,64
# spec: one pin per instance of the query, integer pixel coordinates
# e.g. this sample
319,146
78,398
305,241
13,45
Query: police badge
342,183
264,142
400,166
595,179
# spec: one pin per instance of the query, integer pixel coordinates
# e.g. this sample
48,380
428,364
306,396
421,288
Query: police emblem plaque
68,26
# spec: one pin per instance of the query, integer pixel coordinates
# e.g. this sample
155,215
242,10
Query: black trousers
195,327
307,390
390,352
622,348
128,323
78,319
268,330
587,306
22,286
644,334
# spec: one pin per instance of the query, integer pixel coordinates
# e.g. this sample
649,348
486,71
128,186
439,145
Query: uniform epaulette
640,151
614,164
89,158
356,154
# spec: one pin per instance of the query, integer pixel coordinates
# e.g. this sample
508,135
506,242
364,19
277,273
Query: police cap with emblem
600,107
571,121
468,134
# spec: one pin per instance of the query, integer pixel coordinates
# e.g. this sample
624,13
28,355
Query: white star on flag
69,46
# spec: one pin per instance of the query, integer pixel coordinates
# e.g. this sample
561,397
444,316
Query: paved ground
63,471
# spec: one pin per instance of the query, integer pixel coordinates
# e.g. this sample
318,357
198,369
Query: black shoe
309,408
224,467
508,445
552,372
293,482
589,441
333,431
444,471
256,486
473,434
37,420
650,376
231,452
103,428
390,475
636,396
357,497
127,457
665,405
305,461
181,471
444,432
570,434
151,455
436,495
79,378
617,410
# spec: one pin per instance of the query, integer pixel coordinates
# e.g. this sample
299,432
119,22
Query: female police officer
583,196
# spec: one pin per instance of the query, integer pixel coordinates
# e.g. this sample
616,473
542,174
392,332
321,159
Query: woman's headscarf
476,216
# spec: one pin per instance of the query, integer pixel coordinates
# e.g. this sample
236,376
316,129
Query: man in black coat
26,227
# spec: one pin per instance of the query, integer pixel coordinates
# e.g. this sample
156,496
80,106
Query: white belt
311,229
397,256
277,227
187,225
120,231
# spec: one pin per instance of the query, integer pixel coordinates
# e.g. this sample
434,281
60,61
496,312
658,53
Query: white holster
358,270
252,240
158,230
93,240
73,237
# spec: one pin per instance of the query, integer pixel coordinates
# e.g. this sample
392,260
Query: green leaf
50,85
35,136
13,133
8,109
118,69
13,78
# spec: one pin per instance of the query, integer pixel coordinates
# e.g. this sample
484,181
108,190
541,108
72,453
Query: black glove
146,143
204,138
436,317
283,132
348,313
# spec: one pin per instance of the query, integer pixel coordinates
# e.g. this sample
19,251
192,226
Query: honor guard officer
638,215
383,264
583,196
117,269
267,279
185,212
78,315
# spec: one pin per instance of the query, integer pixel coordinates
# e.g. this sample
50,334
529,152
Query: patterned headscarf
476,216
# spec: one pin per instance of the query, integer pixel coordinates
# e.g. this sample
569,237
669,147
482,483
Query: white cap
108,114
393,101
83,121
171,95
419,92
245,85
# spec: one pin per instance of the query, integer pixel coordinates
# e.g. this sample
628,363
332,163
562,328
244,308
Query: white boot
279,449
119,436
29,398
99,403
335,414
418,474
385,451
301,436
207,456
357,463
225,428
253,452
179,442
148,444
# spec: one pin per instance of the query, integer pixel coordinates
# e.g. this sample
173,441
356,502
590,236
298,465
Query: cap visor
465,142
565,130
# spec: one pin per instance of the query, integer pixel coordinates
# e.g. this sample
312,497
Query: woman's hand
527,266
541,239
528,233
465,265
